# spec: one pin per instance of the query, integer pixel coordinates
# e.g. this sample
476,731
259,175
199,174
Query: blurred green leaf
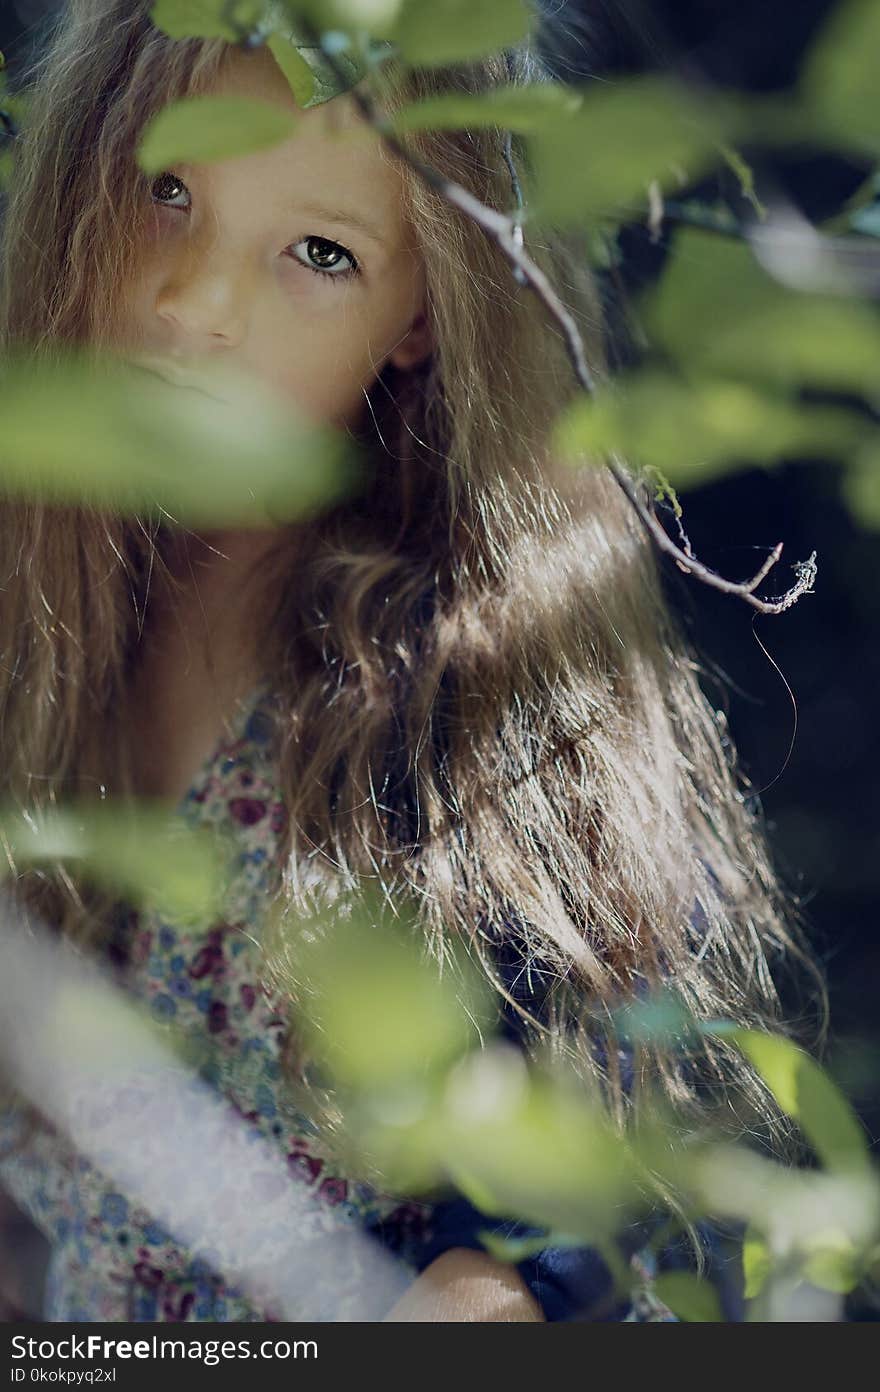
793,1211
203,129
15,104
861,484
717,312
528,1143
688,1296
210,19
152,857
67,427
516,1142
757,1263
806,1093
838,79
516,1249
477,1191
835,1266
601,158
746,176
434,32
698,431
377,1012
522,109
401,1126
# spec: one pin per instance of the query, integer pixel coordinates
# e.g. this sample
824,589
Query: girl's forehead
257,76
331,143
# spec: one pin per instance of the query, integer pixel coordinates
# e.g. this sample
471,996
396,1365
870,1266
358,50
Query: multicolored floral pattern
110,1260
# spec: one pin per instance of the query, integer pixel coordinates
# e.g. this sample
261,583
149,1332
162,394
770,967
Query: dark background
802,713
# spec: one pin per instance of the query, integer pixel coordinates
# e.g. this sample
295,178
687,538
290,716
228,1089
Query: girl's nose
205,296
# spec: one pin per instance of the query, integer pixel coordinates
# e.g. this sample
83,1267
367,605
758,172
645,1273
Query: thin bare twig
506,232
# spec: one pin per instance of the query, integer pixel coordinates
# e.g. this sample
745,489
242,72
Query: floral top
110,1260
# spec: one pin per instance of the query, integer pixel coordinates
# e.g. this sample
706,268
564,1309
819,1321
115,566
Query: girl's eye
320,254
326,257
166,179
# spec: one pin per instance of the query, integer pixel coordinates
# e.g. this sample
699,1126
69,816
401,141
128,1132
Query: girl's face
295,264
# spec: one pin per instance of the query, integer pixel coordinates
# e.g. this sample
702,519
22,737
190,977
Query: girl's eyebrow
344,215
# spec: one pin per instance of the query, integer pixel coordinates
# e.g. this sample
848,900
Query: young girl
461,680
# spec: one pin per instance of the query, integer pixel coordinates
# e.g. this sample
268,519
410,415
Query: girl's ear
417,345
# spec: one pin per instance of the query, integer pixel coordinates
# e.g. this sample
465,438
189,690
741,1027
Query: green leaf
757,1262
518,1141
513,1142
14,104
194,19
806,1093
688,1296
694,432
835,1266
295,68
838,80
351,63
860,487
744,172
522,109
601,158
434,32
107,435
476,1191
153,858
201,130
717,312
396,1122
515,1249
377,1012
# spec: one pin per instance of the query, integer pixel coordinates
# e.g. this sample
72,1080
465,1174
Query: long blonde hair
485,700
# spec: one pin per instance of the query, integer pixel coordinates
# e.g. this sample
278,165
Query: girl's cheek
300,287
159,222
150,234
